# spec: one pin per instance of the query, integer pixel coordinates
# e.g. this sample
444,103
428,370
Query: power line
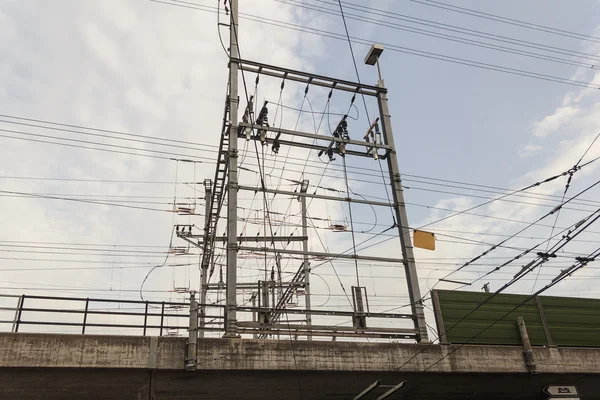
84,244
456,39
506,20
527,227
496,189
293,158
420,179
31,195
536,184
156,140
93,148
100,197
406,50
567,186
465,31
343,156
31,246
189,157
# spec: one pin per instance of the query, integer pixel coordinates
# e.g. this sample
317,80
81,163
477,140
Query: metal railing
85,313
76,315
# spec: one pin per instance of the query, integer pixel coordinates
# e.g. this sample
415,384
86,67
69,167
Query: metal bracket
264,311
527,351
359,319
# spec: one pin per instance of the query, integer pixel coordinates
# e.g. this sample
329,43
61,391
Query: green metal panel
571,322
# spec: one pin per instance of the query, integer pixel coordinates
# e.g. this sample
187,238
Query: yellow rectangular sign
424,240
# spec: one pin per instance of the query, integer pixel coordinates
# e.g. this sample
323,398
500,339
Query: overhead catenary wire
111,204
343,156
506,20
389,14
536,184
488,251
520,255
95,132
457,39
317,186
361,169
405,50
469,186
567,186
165,155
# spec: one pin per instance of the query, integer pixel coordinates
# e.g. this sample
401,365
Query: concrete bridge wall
167,353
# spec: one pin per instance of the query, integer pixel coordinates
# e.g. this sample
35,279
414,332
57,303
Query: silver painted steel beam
305,261
251,285
316,196
328,328
288,143
247,238
203,266
391,391
308,78
410,266
368,390
333,313
287,332
320,254
328,139
231,292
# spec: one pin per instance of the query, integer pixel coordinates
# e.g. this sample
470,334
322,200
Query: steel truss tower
267,314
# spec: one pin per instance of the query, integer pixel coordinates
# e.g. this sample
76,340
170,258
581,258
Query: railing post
192,348
85,314
145,318
162,317
18,314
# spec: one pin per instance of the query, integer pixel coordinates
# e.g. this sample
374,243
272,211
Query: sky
159,70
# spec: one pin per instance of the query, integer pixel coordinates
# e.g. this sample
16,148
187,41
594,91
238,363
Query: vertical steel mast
232,187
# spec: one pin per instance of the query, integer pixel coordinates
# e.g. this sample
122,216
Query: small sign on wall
563,392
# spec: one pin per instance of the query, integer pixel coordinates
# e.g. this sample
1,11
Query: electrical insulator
330,155
377,135
263,118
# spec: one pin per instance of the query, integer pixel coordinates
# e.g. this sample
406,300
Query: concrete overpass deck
52,366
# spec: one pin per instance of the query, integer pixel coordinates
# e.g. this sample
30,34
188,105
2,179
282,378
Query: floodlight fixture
373,54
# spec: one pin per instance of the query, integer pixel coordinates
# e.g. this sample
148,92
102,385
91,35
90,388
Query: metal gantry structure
271,296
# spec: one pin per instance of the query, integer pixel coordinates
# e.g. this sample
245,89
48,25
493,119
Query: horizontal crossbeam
321,254
307,77
316,196
329,312
247,238
361,143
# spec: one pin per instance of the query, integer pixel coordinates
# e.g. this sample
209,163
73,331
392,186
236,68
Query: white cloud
551,123
529,150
